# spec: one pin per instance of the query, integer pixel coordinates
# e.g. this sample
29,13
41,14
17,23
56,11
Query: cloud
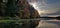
45,7
56,13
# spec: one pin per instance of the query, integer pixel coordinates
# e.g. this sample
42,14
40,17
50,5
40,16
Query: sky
46,7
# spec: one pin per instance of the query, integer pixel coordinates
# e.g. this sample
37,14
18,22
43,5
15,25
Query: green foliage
20,9
13,23
15,13
21,6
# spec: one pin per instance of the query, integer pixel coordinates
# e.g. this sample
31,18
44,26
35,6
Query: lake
49,23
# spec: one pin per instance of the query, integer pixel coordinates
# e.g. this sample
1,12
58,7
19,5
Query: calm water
49,23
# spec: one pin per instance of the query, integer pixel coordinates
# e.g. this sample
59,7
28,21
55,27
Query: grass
18,21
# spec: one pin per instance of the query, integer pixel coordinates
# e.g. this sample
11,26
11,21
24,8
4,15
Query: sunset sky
46,7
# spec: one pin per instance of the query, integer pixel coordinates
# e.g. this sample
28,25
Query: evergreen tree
11,8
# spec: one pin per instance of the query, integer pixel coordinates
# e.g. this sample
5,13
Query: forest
13,11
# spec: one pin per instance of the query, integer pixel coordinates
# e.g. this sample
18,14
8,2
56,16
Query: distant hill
58,17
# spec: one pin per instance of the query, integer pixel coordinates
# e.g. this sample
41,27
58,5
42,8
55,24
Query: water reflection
52,23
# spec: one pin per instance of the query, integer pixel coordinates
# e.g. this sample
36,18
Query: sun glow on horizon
37,8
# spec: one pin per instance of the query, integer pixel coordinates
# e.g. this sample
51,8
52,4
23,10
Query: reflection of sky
47,7
49,24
